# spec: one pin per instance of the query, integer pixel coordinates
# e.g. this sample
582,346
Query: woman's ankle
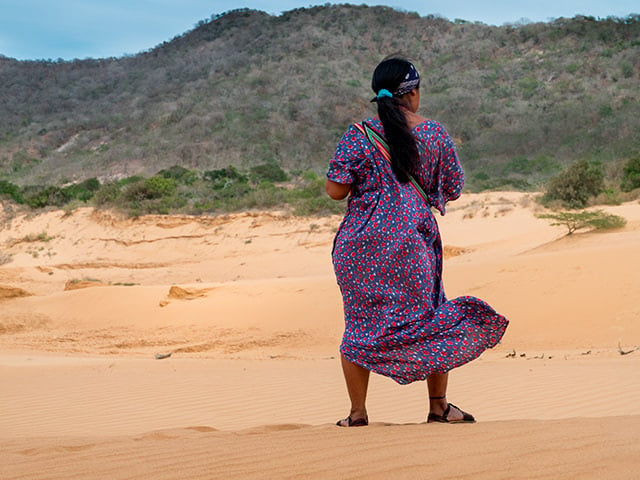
358,413
438,405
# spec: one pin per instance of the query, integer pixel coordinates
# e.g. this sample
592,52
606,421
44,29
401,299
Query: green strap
379,142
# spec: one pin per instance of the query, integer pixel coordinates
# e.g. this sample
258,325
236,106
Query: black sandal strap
349,422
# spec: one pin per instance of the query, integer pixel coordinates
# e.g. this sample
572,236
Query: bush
107,194
129,180
631,175
229,173
158,186
83,191
269,171
576,185
223,190
597,220
11,190
227,182
610,196
40,196
264,195
179,174
149,189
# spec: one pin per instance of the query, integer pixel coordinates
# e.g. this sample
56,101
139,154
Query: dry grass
5,258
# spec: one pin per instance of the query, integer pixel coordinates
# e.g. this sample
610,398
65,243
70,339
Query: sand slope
570,448
245,314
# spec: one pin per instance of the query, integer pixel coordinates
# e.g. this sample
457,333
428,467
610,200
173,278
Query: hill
246,88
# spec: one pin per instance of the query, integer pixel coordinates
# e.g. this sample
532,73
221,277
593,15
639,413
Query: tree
576,185
597,220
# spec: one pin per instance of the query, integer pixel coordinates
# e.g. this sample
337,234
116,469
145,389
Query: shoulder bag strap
380,143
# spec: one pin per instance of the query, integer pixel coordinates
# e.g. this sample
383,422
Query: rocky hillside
246,88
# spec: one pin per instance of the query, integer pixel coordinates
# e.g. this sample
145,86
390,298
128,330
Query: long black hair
402,145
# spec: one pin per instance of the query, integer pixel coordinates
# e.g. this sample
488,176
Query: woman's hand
337,191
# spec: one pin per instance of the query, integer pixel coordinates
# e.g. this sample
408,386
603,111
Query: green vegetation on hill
179,190
246,89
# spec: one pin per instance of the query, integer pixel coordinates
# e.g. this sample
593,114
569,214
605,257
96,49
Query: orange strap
379,142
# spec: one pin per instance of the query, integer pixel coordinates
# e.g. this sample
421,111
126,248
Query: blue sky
52,29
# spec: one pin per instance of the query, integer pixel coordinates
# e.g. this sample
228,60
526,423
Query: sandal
348,422
466,417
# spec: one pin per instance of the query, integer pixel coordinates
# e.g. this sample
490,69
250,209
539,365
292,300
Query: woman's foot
451,414
350,422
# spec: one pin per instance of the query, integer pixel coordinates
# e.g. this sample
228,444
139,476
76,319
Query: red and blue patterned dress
387,257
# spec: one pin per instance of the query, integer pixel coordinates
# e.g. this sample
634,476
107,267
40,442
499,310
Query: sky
69,29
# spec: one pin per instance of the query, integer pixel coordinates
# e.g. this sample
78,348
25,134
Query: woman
387,253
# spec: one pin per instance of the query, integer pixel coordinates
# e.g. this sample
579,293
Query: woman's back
438,171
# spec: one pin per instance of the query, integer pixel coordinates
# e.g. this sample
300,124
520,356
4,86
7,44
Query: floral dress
387,257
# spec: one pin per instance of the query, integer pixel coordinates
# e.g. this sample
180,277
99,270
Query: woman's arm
337,191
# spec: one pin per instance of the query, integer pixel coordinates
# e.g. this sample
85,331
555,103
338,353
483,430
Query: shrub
610,196
227,182
158,186
37,237
83,191
13,191
576,185
626,69
269,171
129,180
631,175
135,192
107,194
597,220
180,174
149,189
264,195
229,173
40,196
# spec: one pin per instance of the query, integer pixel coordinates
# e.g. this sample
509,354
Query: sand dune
570,448
244,316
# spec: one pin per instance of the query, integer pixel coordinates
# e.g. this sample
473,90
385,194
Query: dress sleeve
446,177
349,158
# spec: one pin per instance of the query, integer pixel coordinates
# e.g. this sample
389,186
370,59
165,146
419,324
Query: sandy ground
180,347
